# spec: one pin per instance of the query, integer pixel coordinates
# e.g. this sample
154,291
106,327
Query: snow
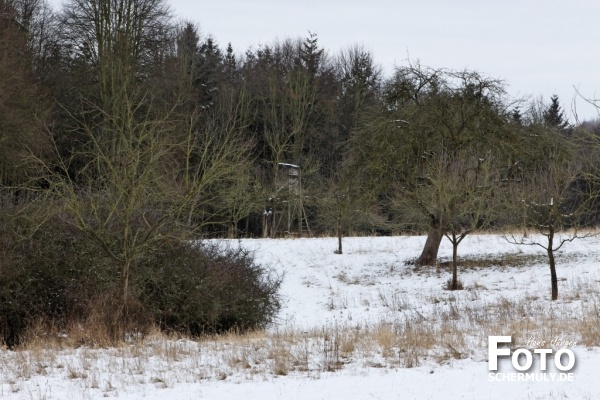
371,287
288,165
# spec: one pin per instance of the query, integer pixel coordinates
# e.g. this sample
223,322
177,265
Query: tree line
132,128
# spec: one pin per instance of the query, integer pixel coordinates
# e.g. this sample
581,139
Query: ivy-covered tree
429,112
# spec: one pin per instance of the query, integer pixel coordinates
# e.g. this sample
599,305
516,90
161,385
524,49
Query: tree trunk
432,245
267,223
339,232
119,317
124,286
272,222
454,285
552,263
232,234
553,274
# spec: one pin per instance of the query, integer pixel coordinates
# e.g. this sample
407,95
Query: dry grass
589,329
458,329
505,260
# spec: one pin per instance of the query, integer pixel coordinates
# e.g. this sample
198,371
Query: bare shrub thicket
57,279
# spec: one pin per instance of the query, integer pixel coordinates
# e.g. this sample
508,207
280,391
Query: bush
59,278
205,288
49,276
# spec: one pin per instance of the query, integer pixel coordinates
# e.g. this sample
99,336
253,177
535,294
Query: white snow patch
369,284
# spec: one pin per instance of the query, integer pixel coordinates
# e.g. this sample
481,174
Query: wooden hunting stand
285,212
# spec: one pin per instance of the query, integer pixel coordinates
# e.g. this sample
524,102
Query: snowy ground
362,325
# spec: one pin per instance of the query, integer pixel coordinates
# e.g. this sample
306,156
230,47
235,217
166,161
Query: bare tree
120,41
466,191
23,105
40,22
344,206
151,191
555,200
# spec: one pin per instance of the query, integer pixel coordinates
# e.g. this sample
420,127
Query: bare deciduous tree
155,187
23,106
554,200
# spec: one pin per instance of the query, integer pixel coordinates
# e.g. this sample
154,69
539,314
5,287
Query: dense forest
126,129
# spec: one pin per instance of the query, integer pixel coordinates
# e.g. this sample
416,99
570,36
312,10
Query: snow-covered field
362,325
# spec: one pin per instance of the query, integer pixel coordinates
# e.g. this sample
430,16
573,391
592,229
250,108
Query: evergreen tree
187,51
554,115
310,54
230,65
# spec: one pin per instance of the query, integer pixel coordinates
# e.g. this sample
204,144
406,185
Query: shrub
50,276
205,288
60,278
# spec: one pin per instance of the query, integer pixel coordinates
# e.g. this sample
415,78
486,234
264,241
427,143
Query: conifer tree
554,115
